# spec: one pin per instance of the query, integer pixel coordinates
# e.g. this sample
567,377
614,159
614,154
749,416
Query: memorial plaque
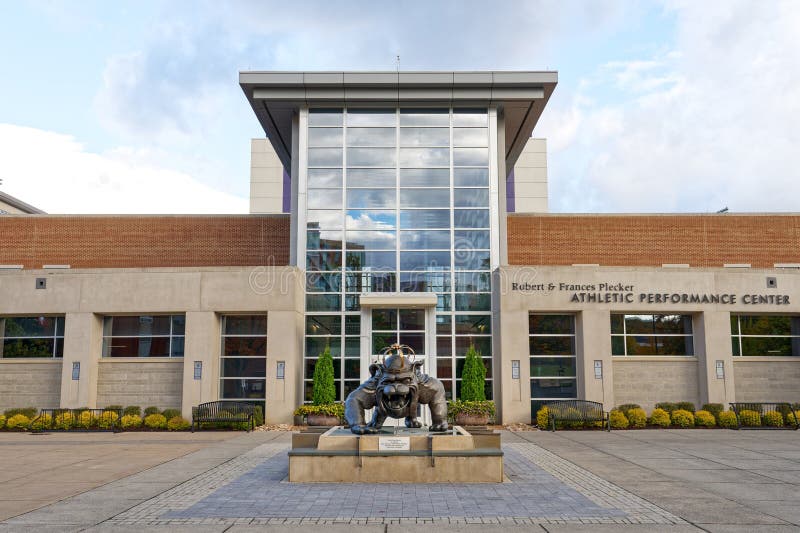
394,444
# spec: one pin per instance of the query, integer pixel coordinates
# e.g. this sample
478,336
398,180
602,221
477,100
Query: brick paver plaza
654,480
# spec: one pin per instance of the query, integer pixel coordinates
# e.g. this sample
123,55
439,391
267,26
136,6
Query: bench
223,411
765,415
576,411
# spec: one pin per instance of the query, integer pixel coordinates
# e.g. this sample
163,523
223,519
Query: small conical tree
324,388
473,377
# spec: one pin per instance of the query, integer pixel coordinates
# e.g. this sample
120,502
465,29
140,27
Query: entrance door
409,326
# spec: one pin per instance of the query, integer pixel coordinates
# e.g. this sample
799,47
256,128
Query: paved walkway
668,480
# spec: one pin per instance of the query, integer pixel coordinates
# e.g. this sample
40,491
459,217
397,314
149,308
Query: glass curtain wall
397,201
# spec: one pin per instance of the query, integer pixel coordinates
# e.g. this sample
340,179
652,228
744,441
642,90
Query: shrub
682,418
29,412
113,408
637,418
727,419
749,418
473,377
130,422
18,422
617,420
64,420
107,419
132,410
791,418
2,421
704,419
667,406
155,421
626,407
171,413
474,408
660,417
686,406
575,423
324,390
178,423
258,416
542,418
714,408
773,419
42,422
152,410
86,420
331,409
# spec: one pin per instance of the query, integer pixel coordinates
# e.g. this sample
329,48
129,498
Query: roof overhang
519,95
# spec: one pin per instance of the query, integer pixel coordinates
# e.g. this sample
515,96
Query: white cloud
711,123
55,173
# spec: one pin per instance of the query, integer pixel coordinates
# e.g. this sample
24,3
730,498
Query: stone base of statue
396,455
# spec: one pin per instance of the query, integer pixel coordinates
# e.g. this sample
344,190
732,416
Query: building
406,207
10,205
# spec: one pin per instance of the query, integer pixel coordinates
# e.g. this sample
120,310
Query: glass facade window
243,358
31,336
551,340
651,335
765,335
144,335
398,200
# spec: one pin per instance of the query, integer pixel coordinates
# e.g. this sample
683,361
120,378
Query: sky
661,106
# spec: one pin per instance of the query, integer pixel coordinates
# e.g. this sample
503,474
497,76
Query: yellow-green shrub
64,420
637,418
727,419
682,418
617,420
704,419
130,421
660,417
42,422
773,419
86,420
178,423
2,421
155,421
749,418
107,419
18,422
543,418
791,418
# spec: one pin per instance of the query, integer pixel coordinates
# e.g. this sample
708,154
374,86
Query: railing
766,415
77,420
223,412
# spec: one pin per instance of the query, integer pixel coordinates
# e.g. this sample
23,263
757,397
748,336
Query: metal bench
77,420
765,415
223,412
576,411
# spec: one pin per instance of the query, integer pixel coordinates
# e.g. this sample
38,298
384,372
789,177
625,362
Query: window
243,362
143,336
765,335
551,343
651,335
32,336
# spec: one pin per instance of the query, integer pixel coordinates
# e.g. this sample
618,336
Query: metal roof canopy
520,96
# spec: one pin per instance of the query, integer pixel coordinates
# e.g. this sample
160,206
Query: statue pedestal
396,456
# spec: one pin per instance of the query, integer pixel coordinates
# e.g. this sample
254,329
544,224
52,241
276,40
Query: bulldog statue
396,388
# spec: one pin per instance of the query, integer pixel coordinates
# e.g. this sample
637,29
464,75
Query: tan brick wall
144,241
767,381
30,384
648,382
140,383
652,240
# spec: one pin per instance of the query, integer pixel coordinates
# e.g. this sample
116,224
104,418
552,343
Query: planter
322,420
465,419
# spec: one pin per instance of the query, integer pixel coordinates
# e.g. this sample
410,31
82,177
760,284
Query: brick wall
652,240
766,381
139,241
649,382
30,383
140,383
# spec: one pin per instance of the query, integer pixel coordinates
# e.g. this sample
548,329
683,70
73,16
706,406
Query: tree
324,388
473,377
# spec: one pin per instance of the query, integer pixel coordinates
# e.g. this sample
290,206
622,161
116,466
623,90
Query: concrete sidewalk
714,480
